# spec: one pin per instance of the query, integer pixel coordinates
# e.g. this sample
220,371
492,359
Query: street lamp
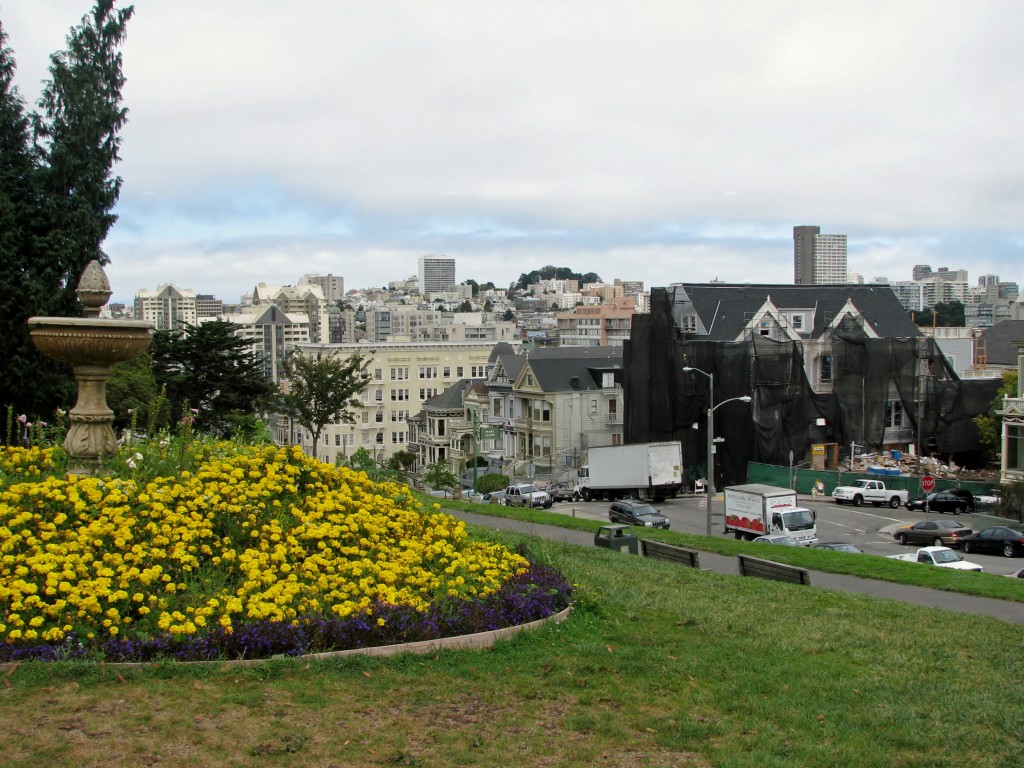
708,485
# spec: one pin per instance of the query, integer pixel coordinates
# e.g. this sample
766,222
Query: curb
475,641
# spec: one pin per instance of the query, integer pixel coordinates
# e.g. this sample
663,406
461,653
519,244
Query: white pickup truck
870,491
944,557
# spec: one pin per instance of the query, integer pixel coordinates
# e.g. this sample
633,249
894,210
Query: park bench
659,551
766,569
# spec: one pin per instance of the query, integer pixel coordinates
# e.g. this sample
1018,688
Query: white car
777,538
944,557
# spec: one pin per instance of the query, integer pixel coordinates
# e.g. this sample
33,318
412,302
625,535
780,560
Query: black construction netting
786,416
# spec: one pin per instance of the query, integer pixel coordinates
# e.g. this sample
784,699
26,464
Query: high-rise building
818,259
437,274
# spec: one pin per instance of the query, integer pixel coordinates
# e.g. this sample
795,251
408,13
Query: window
380,438
765,328
825,372
894,414
399,374
378,374
458,371
798,322
399,395
593,406
496,407
379,418
398,437
447,371
428,371
366,417
337,440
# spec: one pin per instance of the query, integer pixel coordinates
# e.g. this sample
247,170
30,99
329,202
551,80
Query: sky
656,141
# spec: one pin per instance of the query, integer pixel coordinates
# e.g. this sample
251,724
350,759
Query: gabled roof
725,309
560,369
450,399
501,348
999,341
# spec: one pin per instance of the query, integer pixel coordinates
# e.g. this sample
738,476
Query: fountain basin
89,340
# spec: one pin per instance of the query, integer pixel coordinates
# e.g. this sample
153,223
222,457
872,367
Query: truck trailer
640,470
759,510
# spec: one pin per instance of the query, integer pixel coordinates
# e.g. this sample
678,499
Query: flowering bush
249,551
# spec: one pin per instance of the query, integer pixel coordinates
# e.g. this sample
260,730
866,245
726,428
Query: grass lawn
657,666
864,566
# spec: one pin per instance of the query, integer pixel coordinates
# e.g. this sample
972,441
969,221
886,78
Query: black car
955,500
837,546
998,540
637,513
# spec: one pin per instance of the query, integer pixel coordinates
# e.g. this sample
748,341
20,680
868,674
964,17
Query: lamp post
708,486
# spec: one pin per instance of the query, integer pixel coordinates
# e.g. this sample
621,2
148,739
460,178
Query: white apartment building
168,308
333,286
436,274
308,299
272,334
402,376
818,259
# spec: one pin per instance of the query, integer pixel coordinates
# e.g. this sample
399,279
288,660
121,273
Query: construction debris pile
897,463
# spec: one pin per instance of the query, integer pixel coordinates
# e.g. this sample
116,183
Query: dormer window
765,328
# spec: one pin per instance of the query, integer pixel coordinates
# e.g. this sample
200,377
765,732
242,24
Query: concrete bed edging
457,642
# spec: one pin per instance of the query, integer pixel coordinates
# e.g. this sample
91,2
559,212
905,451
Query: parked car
495,497
943,557
777,538
562,492
934,532
1018,574
998,540
837,546
527,495
636,513
955,500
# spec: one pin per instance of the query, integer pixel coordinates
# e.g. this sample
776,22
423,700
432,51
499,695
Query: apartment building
307,299
272,334
818,259
168,308
599,325
403,376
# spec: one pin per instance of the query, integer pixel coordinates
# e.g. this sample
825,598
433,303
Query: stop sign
927,483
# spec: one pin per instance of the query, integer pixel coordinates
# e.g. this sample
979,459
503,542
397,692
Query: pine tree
57,196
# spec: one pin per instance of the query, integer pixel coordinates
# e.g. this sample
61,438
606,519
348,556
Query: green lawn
657,666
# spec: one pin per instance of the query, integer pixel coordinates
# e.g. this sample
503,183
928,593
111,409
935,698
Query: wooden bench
658,551
766,569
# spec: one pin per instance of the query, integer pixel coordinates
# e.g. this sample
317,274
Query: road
866,527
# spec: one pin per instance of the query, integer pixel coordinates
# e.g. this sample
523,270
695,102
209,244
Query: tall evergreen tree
18,223
60,208
209,369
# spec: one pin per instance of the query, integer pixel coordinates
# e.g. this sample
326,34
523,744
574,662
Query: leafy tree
488,306
207,368
590,277
57,195
990,426
509,316
322,389
132,394
944,314
439,476
401,461
491,482
465,307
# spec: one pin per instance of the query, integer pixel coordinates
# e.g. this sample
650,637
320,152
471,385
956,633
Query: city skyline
375,135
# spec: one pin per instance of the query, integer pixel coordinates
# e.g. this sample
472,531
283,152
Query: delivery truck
758,510
640,470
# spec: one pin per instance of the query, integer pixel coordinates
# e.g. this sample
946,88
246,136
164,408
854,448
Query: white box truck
758,510
641,470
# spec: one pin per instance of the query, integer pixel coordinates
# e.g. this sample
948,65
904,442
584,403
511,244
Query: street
866,527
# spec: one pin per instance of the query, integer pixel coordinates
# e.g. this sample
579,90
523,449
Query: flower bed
250,552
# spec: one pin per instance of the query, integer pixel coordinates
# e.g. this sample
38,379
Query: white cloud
661,141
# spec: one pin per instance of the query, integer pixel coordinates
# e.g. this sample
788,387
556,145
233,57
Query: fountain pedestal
91,345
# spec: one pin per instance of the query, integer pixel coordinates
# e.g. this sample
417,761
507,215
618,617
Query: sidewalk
933,598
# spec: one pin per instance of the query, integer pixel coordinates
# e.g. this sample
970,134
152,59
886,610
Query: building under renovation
838,365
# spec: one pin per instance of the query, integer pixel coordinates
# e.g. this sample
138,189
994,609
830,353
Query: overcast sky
655,141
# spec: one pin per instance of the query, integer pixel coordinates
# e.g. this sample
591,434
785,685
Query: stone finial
93,289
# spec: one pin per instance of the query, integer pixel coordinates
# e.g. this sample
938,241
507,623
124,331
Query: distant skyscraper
437,274
818,259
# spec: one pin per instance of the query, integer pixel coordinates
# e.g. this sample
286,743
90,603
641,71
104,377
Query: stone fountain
92,345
